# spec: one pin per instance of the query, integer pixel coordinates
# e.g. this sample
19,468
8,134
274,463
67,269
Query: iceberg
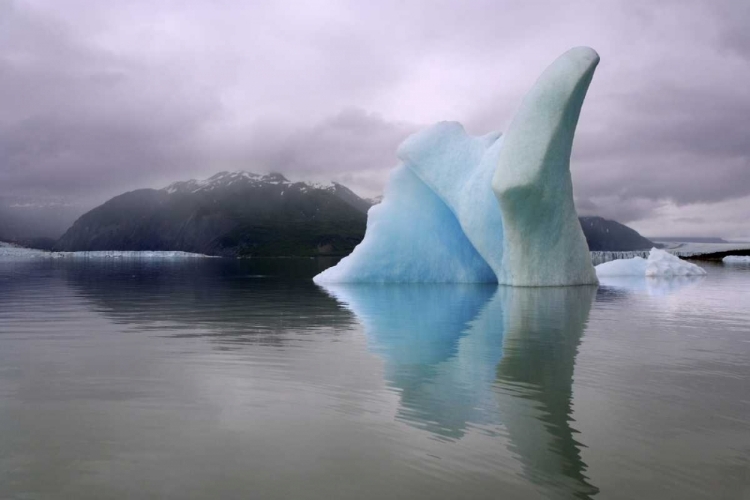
736,259
485,209
544,242
654,286
459,169
635,266
411,237
659,263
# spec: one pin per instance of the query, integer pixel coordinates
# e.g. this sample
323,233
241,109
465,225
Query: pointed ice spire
543,241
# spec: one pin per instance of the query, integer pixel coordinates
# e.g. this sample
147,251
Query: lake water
207,379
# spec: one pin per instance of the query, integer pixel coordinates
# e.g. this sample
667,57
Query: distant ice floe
655,286
736,259
112,254
659,263
687,249
683,250
11,252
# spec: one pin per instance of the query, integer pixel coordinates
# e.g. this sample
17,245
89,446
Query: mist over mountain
35,223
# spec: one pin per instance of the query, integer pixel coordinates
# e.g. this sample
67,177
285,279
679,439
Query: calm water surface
209,379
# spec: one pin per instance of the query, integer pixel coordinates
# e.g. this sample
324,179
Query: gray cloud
687,146
79,121
101,97
353,147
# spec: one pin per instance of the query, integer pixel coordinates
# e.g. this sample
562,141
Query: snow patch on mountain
242,178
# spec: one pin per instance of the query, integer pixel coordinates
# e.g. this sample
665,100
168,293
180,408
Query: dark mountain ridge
230,214
610,236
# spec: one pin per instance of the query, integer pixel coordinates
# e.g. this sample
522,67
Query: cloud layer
102,97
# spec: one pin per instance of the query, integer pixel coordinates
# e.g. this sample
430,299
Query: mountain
231,214
608,235
245,214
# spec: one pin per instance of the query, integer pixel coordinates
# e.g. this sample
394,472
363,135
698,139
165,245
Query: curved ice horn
544,244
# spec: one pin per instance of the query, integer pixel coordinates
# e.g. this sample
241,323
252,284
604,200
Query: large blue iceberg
463,209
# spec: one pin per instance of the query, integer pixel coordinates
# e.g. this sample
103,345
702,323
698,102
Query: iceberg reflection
469,355
543,329
419,331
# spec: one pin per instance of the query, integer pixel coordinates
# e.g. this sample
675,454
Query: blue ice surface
411,237
459,168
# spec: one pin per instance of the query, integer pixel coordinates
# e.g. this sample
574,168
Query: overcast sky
97,97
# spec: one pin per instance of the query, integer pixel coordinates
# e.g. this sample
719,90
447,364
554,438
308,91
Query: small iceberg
659,263
736,259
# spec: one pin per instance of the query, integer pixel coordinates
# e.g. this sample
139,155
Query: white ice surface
659,263
10,251
656,286
736,259
118,254
623,267
411,237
